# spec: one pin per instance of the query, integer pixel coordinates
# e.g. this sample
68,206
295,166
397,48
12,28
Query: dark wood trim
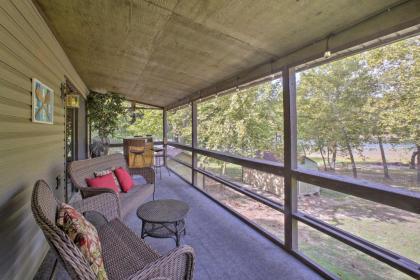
180,146
87,130
402,199
290,157
266,201
403,264
258,164
194,141
399,198
255,226
165,135
311,264
181,162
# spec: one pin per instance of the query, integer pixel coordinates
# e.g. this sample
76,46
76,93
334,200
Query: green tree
151,123
332,99
247,122
180,125
103,114
398,69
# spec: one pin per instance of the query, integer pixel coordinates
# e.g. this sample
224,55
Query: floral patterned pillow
84,235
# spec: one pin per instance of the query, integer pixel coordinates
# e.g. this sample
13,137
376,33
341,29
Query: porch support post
290,157
165,133
194,141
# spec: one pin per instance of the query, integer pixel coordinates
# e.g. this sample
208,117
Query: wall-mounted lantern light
72,100
70,97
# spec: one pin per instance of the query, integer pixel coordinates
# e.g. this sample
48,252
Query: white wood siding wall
28,151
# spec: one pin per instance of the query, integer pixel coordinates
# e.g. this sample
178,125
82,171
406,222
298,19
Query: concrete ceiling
159,52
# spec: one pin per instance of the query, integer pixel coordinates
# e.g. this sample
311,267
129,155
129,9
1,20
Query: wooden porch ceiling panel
162,51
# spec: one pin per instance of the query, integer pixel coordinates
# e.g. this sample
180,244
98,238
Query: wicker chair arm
88,192
177,264
106,203
147,172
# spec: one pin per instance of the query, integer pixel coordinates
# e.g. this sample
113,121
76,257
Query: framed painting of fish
42,103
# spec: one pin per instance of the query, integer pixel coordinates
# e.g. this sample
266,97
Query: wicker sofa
82,169
125,255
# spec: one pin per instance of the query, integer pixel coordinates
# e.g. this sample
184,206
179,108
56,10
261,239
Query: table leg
160,169
142,229
177,234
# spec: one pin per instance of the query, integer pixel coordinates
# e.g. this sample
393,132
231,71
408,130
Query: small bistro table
163,219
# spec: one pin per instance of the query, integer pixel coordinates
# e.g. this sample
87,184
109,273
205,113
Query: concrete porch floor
226,247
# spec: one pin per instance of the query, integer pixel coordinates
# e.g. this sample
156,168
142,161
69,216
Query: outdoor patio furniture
159,154
125,255
137,153
163,219
82,169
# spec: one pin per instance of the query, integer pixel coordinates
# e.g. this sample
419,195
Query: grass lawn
388,227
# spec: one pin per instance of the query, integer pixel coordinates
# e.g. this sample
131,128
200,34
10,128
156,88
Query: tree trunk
323,158
384,163
418,163
328,157
105,142
334,156
353,163
204,183
224,168
413,159
303,149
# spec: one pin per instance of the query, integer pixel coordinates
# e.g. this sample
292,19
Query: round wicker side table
163,219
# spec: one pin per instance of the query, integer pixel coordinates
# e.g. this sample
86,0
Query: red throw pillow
126,182
106,181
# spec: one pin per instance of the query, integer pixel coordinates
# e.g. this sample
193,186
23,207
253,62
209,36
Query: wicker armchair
125,255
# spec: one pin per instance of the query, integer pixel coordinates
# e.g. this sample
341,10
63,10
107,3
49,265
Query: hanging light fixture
70,97
73,100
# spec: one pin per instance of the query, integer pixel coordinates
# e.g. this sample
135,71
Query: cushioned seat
125,255
131,200
144,179
122,251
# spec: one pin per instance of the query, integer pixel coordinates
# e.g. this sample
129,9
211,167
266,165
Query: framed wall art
42,103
